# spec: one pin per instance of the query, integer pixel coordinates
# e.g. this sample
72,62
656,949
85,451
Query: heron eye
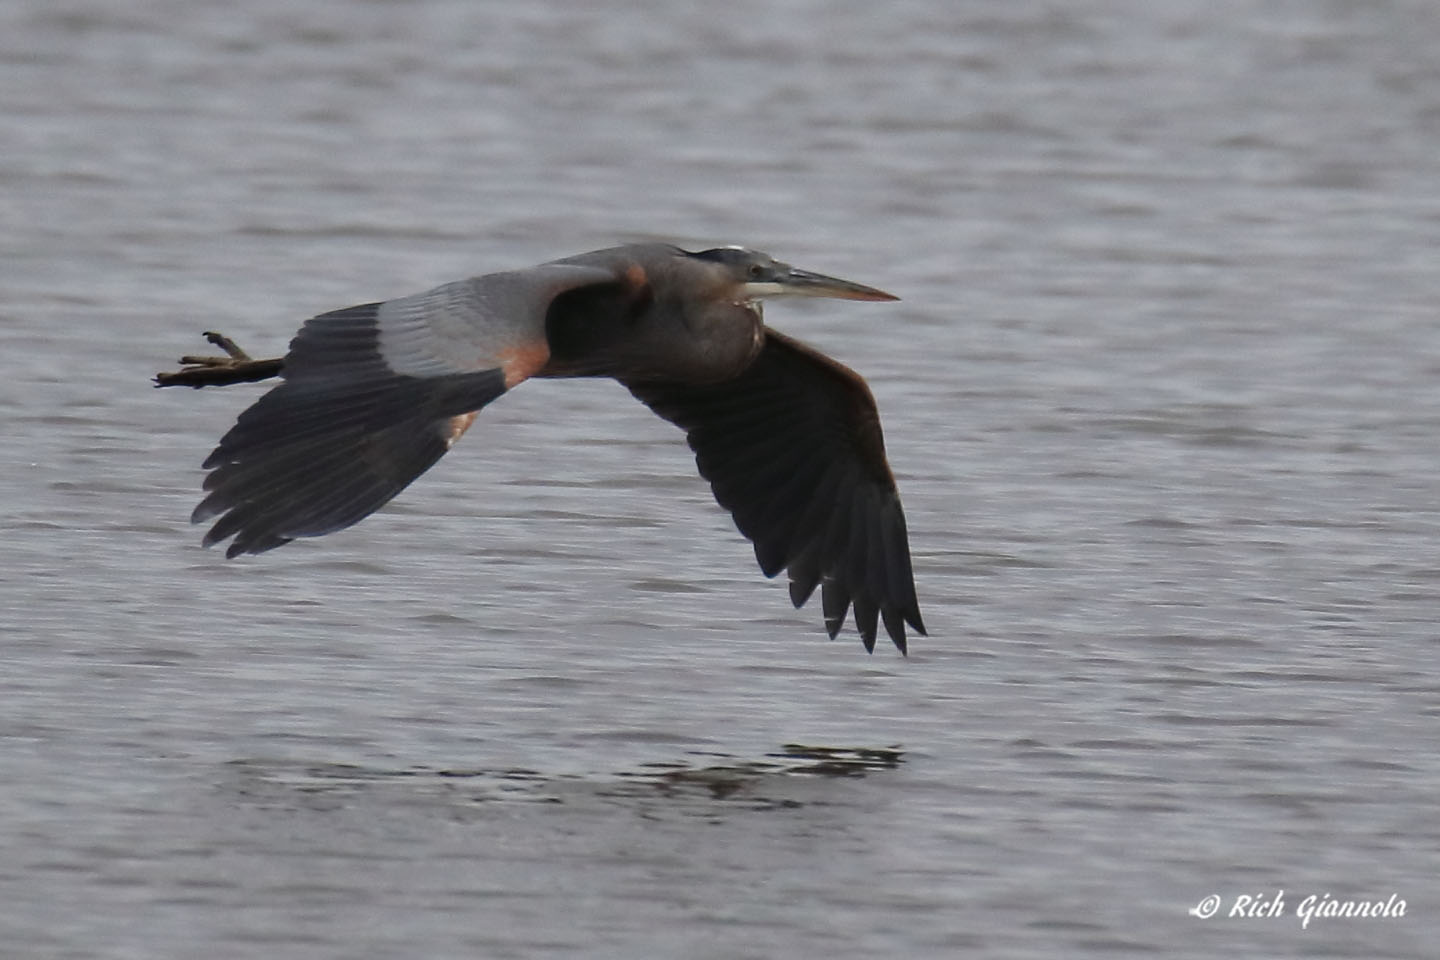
756,271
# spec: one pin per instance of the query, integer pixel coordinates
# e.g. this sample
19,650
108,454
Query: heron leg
236,366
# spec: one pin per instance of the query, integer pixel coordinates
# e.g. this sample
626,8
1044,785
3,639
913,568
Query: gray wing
372,396
792,448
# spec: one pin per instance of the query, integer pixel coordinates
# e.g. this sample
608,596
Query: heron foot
236,366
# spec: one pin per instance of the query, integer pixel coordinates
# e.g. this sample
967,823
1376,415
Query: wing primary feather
834,602
804,577
894,626
271,482
866,615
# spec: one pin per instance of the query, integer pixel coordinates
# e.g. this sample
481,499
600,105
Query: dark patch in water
754,783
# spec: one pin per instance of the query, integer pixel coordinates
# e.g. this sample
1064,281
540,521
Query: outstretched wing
792,448
373,395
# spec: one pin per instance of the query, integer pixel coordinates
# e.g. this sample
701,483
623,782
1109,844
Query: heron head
759,275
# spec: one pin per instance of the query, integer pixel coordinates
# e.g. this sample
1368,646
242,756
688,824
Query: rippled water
1162,396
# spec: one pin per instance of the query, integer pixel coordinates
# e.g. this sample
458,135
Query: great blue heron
789,439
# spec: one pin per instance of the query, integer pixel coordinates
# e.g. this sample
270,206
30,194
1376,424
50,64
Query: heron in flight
788,438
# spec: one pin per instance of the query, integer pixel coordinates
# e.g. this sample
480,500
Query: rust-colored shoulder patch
635,276
522,362
457,427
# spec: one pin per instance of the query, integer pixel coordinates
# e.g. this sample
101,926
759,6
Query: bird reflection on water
751,783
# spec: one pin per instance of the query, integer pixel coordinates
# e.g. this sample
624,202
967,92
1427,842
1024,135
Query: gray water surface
1162,397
